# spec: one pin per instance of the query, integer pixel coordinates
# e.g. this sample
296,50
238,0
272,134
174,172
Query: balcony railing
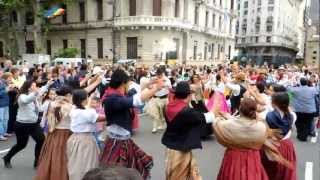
152,21
81,25
165,22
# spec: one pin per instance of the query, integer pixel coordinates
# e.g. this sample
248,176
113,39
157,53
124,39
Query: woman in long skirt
120,149
53,158
244,137
82,147
281,118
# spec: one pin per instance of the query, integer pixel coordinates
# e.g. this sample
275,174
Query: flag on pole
54,12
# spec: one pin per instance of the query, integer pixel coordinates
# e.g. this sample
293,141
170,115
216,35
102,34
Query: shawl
174,106
244,133
58,111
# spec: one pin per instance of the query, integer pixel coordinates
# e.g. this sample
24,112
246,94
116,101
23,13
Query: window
213,20
14,16
99,9
176,8
220,23
29,18
270,9
268,39
64,16
207,18
83,48
258,23
257,39
49,47
219,51
243,40
212,50
100,48
271,2
314,52
221,3
156,7
132,47
132,8
259,10
82,11
196,15
205,50
195,48
230,26
229,52
237,27
232,4
1,49
245,12
30,47
259,2
314,57
245,5
65,43
269,28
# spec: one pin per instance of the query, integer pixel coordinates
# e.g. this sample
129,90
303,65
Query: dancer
244,137
82,148
119,147
53,158
281,118
27,121
183,134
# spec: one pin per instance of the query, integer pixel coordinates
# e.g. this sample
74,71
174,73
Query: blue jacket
4,97
275,121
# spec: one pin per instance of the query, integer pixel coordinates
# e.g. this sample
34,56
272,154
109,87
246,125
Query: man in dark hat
183,133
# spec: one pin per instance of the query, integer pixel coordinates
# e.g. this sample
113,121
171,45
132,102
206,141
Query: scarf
244,133
174,107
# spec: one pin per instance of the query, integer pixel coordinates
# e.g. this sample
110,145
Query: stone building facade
270,31
151,31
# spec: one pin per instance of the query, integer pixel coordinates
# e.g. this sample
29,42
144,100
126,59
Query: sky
315,10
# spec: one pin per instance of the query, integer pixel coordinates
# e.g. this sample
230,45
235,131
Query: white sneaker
154,130
2,138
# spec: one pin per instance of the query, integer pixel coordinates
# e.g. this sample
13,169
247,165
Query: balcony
262,44
156,21
152,21
81,25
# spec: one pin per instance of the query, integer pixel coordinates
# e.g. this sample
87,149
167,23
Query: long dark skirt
126,153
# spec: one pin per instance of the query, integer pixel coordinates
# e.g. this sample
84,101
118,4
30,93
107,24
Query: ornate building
270,31
151,31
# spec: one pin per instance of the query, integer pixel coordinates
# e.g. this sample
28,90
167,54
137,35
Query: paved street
208,159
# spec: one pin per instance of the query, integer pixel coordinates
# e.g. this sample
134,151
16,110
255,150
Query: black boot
7,163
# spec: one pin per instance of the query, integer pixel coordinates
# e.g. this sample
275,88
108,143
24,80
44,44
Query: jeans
4,117
23,131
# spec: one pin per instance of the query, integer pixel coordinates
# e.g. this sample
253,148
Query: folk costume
53,158
183,134
120,149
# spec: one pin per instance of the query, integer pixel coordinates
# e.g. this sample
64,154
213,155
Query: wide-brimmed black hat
182,89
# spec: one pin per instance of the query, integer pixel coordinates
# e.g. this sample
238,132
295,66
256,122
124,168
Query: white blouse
83,120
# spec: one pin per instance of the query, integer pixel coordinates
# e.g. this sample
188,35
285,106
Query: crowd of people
83,117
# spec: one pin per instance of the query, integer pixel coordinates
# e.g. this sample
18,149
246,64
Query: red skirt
126,153
53,157
277,171
242,164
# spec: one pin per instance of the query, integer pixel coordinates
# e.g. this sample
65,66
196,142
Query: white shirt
164,91
83,120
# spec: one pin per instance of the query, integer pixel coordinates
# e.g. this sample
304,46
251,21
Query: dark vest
184,131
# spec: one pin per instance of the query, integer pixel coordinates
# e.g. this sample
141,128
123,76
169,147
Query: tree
67,53
39,30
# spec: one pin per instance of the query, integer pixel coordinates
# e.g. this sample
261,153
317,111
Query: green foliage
67,53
